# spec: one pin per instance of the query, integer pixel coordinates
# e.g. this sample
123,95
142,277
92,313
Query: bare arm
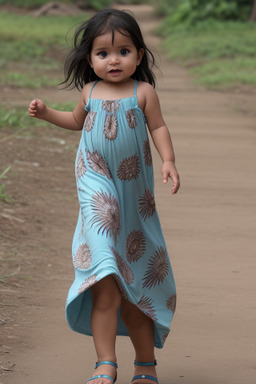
161,137
68,120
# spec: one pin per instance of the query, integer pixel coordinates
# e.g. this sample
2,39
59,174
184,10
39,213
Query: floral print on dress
97,163
82,257
118,231
145,305
88,283
110,127
147,205
135,246
171,303
158,269
106,214
131,119
123,268
89,121
110,105
129,168
147,153
80,165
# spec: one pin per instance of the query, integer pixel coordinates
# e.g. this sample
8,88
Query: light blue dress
118,231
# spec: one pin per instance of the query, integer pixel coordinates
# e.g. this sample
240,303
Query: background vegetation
86,4
32,4
193,11
214,39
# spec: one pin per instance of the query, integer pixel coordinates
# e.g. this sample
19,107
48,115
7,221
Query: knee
132,316
106,298
105,301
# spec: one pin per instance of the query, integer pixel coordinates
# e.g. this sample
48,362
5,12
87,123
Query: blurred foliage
25,3
165,7
19,118
29,80
192,11
93,4
219,54
212,38
25,38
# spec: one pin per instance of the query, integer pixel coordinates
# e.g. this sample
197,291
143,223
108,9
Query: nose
114,59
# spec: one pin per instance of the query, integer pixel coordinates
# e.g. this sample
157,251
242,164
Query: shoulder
145,87
146,94
86,91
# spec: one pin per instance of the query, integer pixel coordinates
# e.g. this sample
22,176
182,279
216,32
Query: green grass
226,73
3,194
19,118
25,80
31,47
31,4
219,55
25,38
13,118
47,30
24,3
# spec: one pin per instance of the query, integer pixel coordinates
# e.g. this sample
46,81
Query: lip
115,72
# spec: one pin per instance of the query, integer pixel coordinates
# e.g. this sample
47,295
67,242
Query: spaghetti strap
135,89
92,88
87,107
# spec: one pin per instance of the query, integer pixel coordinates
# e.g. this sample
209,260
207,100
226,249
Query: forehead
112,39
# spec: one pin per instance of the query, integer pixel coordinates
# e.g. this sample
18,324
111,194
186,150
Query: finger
176,185
33,103
32,110
165,176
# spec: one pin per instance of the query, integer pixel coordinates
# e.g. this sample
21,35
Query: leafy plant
190,12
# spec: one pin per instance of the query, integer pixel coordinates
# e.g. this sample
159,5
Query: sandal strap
150,364
106,362
147,377
99,376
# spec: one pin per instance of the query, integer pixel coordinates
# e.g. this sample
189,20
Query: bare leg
141,331
106,299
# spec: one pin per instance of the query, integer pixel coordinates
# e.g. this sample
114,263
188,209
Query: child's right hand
37,108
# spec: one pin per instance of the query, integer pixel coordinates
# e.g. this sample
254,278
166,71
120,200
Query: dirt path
209,227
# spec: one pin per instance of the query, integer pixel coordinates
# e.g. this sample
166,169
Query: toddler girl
123,278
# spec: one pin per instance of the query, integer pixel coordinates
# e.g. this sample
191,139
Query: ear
140,55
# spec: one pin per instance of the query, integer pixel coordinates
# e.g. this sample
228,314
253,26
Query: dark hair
77,70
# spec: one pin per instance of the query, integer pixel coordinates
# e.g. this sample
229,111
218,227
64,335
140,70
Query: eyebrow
118,47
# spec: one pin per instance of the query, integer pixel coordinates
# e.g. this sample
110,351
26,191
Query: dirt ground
209,227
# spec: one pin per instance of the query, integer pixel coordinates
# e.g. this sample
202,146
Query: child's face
114,61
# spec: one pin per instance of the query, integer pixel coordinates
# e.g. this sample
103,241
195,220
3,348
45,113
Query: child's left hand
169,170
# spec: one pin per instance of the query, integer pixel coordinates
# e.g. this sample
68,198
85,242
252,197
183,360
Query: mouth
115,71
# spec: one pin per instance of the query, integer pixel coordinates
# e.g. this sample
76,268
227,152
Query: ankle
145,360
111,359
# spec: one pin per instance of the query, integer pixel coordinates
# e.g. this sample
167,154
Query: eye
124,52
103,54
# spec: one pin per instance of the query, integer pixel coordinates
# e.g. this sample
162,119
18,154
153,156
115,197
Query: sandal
104,376
147,377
